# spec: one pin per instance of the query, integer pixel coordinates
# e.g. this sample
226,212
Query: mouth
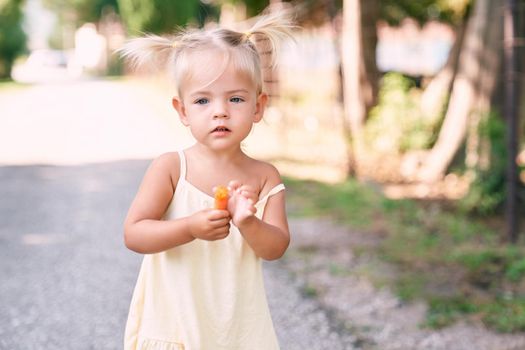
221,129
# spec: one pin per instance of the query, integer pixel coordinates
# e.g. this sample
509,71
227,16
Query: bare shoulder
167,159
268,175
156,189
167,164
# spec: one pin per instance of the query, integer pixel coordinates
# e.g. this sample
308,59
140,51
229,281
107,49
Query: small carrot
221,198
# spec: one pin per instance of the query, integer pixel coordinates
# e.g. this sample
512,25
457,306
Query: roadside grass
453,261
9,85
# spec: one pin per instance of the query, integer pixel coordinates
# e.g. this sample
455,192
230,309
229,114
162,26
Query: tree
72,14
447,11
158,16
511,114
472,87
12,36
83,10
359,71
452,12
253,7
358,55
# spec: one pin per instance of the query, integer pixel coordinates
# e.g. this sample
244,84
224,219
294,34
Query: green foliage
516,270
506,264
159,16
450,11
396,124
83,10
10,85
12,36
487,192
253,7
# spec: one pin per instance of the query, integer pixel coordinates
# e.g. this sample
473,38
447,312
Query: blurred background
399,120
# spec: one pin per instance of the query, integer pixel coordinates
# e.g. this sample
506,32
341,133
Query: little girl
200,286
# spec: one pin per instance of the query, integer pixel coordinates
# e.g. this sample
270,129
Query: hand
242,203
209,224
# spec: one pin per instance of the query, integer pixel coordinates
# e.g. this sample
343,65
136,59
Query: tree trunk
357,62
464,95
434,95
511,116
478,148
370,78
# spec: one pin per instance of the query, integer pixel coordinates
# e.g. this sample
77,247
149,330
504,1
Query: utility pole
511,81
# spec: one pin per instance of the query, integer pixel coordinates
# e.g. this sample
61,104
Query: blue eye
236,100
201,101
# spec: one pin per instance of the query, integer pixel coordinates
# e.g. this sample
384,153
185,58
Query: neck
219,156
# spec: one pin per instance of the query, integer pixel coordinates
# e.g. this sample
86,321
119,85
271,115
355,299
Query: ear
260,106
181,110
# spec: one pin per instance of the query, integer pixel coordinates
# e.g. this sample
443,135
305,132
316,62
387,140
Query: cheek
194,113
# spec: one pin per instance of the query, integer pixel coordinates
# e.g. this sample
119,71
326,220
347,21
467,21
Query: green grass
347,202
505,315
443,312
9,85
453,261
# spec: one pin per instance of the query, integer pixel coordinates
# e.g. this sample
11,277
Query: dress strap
278,188
182,158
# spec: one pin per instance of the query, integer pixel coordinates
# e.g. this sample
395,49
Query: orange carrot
221,198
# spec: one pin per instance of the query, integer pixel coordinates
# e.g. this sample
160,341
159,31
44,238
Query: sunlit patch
42,238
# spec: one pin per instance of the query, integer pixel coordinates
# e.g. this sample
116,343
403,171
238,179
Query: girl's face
219,105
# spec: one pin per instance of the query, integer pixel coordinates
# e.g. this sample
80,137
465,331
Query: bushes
397,124
487,191
12,37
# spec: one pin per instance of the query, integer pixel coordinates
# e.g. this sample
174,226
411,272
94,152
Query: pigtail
269,31
254,51
151,50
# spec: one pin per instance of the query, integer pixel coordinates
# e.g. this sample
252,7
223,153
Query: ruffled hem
154,344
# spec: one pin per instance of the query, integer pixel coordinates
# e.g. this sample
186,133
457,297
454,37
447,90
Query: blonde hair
239,48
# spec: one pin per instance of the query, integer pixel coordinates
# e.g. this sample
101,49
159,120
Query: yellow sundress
203,295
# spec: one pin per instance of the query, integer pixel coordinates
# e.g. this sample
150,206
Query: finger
249,195
250,203
252,210
251,206
220,234
218,214
247,188
234,185
220,223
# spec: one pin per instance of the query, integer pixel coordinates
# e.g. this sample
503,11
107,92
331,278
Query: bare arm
269,237
145,230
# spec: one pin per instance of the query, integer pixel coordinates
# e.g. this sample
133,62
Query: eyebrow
206,92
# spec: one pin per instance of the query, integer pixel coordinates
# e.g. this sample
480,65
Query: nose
220,111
